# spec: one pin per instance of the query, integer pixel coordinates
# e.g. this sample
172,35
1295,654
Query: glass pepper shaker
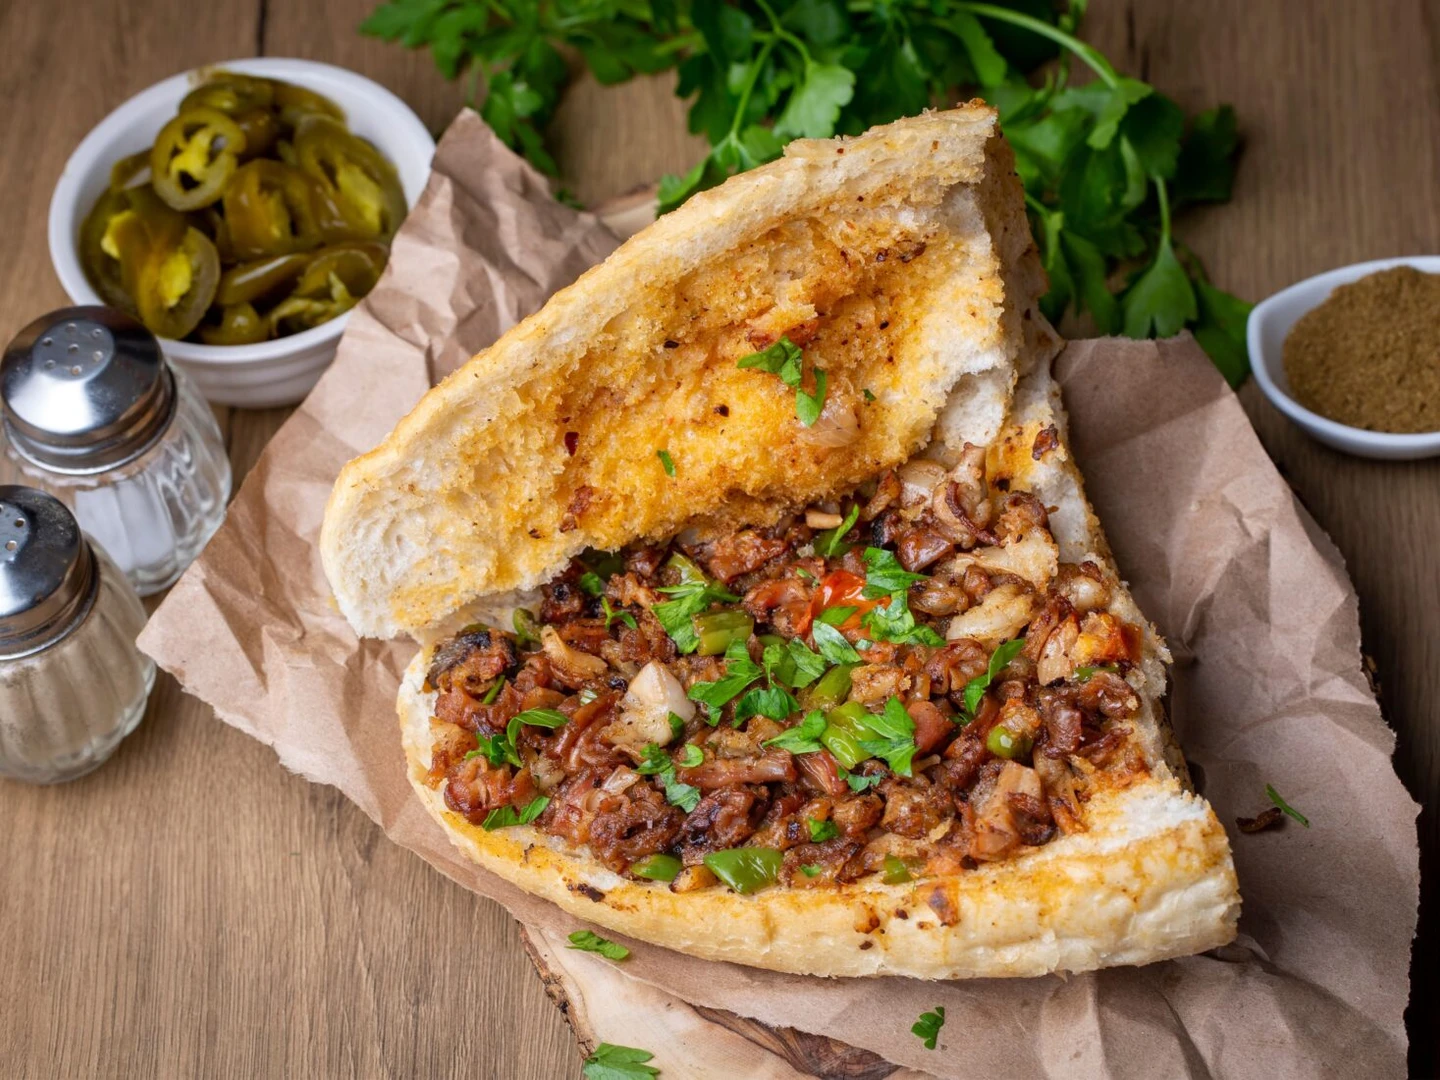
93,414
72,683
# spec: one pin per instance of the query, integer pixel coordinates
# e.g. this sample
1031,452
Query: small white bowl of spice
1353,356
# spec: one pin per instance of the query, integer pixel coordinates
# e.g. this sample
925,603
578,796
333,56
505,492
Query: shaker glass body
155,513
64,709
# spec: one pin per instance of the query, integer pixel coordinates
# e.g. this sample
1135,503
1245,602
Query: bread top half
901,260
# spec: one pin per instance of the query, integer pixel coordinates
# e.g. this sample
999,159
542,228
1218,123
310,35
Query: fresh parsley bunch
1106,164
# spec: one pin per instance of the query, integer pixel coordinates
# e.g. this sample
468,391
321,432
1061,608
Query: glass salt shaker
93,414
72,683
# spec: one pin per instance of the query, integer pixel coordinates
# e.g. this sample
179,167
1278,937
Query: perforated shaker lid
84,389
47,571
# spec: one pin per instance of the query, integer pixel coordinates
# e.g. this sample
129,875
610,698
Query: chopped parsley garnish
590,582
527,630
655,761
804,737
504,816
611,1062
691,756
1086,672
784,359
773,701
896,744
1285,807
884,575
589,941
895,871
927,1028
831,543
500,749
810,870
677,725
740,672
869,395
832,645
808,407
860,783
693,595
895,622
493,692
792,664
666,462
614,614
976,687
820,831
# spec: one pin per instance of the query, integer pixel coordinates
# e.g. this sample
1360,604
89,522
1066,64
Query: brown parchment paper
1251,594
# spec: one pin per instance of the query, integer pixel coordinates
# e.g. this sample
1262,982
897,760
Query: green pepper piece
843,746
852,718
718,630
270,210
230,92
690,574
830,691
1002,742
124,173
169,267
261,130
527,628
194,157
357,266
297,102
240,324
769,639
355,174
896,872
745,869
657,868
259,279
102,268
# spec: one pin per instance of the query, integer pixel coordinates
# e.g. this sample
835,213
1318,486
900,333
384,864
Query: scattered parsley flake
804,737
666,462
504,816
611,1062
884,575
927,1028
830,543
820,831
832,645
589,941
1285,807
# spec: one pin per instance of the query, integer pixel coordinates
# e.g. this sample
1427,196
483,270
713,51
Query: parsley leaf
611,1062
836,616
805,665
655,761
810,870
808,407
666,462
542,718
976,687
927,1028
884,575
740,672
691,597
896,745
804,737
782,358
590,583
820,831
1161,300
613,614
859,783
589,941
774,702
829,543
1285,807
815,104
504,816
895,622
832,644
691,756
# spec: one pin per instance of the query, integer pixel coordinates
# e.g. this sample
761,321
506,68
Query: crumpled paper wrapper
1251,594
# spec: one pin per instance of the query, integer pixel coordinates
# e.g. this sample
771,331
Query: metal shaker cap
47,571
84,389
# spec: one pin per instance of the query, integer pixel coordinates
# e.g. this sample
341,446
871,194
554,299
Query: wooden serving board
603,1004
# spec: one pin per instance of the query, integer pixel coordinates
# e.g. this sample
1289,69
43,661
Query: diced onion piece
619,780
1005,611
919,477
570,662
645,710
838,425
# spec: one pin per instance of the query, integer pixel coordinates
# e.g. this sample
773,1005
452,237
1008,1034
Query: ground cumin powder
1369,356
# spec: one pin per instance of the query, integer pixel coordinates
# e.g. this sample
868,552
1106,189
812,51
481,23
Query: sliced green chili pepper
101,267
356,175
830,691
356,266
1002,742
240,324
720,629
896,872
297,102
258,279
124,171
194,157
231,92
170,268
657,868
270,209
261,130
745,869
769,639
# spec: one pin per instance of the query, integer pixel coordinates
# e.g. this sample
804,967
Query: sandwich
761,611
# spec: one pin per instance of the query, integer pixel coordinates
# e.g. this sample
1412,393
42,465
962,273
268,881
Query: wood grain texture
193,909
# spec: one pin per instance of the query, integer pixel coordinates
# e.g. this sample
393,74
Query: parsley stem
755,70
785,35
1092,57
1163,195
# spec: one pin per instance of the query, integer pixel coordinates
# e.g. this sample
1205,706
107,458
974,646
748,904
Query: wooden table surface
192,908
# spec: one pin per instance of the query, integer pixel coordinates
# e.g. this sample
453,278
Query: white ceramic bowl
1265,333
278,372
